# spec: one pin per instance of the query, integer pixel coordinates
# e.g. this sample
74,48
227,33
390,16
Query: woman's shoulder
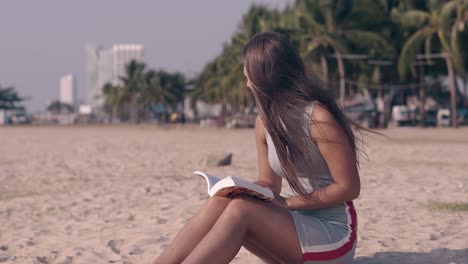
319,112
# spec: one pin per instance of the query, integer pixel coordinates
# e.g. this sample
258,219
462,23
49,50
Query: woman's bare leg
260,252
194,231
270,226
198,226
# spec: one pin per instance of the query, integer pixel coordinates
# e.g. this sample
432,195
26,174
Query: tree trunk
223,111
341,72
453,91
387,107
148,113
323,62
134,110
114,114
465,93
422,95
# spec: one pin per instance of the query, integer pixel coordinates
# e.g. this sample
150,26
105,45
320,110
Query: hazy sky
40,41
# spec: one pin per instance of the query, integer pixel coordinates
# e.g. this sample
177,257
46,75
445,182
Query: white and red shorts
327,235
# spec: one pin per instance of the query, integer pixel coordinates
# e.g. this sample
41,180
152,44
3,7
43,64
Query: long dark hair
283,87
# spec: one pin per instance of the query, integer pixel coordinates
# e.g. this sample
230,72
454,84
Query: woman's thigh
260,252
269,226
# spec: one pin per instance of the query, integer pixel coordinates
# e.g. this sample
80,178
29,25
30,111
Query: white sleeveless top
321,171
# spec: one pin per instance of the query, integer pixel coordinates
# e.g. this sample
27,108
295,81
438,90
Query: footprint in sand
68,260
162,221
165,208
136,251
42,260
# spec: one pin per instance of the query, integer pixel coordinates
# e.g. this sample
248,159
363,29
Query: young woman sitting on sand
303,137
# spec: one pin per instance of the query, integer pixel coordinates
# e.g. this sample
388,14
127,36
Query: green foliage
386,30
58,107
141,89
446,206
9,98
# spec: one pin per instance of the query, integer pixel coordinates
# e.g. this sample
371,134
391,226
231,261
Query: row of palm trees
9,98
140,89
371,44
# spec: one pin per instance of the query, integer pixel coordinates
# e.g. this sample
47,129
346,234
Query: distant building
122,55
105,70
107,66
68,89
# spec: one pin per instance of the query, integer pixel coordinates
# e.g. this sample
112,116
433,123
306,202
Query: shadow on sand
436,256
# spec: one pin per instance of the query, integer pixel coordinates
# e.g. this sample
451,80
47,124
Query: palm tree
222,79
158,92
172,86
436,24
334,26
8,98
133,83
58,107
456,37
113,99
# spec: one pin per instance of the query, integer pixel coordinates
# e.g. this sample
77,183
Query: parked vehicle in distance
363,114
242,121
443,117
431,118
462,116
401,115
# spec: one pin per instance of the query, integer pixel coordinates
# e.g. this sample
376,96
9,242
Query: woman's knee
241,206
214,204
217,201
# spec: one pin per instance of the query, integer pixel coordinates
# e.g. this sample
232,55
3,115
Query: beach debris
3,248
226,160
212,160
3,259
114,245
42,260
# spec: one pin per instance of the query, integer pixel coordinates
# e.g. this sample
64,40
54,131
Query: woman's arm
340,157
267,177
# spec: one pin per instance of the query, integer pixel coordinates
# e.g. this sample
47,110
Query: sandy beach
119,194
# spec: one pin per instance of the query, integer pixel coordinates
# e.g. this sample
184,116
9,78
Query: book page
210,179
232,186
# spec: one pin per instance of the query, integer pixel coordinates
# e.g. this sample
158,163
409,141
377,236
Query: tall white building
122,55
91,74
68,89
107,66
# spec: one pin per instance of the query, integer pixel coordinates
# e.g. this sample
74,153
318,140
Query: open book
232,186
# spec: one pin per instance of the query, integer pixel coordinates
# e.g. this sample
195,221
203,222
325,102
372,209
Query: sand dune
120,194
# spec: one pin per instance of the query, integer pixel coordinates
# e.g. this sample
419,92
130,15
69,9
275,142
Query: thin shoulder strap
308,115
